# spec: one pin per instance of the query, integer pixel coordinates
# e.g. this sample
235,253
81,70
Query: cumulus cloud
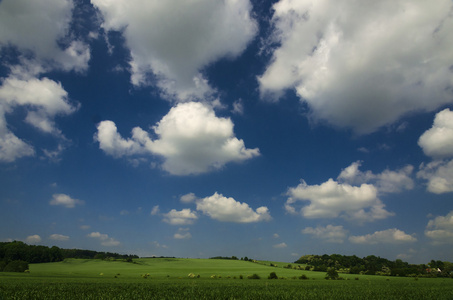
361,65
280,246
437,142
172,41
439,175
65,200
59,237
389,236
386,182
226,209
104,238
330,233
188,198
43,99
440,229
181,217
155,210
192,140
332,199
40,31
182,234
33,239
42,28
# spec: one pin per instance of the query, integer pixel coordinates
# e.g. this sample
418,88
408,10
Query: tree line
375,265
17,255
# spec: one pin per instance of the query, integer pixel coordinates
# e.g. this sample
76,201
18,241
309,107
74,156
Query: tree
16,266
272,275
332,274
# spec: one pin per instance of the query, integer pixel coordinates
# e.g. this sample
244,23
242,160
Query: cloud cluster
329,233
386,182
361,65
182,217
217,207
437,143
41,29
389,236
191,139
354,195
33,239
182,234
440,229
40,32
332,199
172,41
59,237
104,238
65,200
226,209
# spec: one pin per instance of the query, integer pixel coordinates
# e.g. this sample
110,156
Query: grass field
168,279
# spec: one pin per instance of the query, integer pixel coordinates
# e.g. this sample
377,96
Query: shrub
16,266
272,275
254,276
303,277
241,277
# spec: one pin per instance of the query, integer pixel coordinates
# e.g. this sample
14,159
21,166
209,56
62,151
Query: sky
200,128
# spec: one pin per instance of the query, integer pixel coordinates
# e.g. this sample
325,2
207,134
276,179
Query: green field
168,279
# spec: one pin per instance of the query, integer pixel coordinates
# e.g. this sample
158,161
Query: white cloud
330,233
33,239
181,217
437,142
275,236
42,99
362,65
280,246
188,198
172,41
440,229
238,107
439,175
386,182
64,200
332,199
192,140
104,238
85,227
389,236
59,237
226,209
155,210
40,32
12,148
39,27
182,234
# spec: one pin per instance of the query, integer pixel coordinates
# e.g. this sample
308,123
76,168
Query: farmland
168,279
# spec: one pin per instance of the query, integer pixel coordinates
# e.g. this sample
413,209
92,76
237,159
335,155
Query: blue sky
267,129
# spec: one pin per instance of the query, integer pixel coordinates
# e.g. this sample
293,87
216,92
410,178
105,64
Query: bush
303,277
16,266
254,276
272,275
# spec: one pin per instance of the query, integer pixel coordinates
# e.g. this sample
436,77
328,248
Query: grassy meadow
169,279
